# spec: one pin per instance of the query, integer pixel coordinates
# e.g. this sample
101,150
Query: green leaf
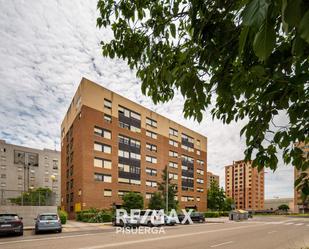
243,39
264,41
255,13
292,12
298,46
304,27
173,29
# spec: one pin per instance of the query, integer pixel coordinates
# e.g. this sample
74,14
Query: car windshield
6,217
48,217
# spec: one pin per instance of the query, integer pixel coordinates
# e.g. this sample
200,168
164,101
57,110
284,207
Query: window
107,192
151,172
187,198
199,190
107,118
173,176
102,178
198,152
128,113
3,176
148,196
102,163
199,180
173,132
198,198
103,148
123,153
107,104
173,153
129,181
151,122
173,165
55,164
151,134
187,148
123,167
151,147
135,156
173,143
102,132
198,143
129,141
151,159
200,171
152,184
187,138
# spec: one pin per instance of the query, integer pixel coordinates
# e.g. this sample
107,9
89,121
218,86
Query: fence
38,197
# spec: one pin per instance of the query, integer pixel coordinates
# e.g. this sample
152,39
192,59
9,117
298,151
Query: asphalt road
259,233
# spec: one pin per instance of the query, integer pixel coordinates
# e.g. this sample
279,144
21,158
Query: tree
132,200
156,201
228,204
215,197
35,197
244,60
172,190
284,207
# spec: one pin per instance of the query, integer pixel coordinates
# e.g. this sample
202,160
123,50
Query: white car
151,218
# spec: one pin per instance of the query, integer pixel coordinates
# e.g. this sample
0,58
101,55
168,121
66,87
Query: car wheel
60,230
21,233
36,231
149,224
122,223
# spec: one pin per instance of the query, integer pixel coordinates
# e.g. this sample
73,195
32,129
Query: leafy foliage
283,207
94,215
172,190
156,201
35,197
216,199
132,200
244,59
63,215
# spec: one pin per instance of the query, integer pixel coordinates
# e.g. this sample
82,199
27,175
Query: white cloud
45,49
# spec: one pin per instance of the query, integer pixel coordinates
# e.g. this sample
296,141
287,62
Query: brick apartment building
299,205
111,145
212,178
245,185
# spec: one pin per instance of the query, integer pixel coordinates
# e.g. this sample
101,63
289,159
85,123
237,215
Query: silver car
48,222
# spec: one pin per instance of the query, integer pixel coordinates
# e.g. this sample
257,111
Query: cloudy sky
46,47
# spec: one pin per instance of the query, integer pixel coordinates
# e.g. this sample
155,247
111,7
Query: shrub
63,215
224,213
94,216
211,214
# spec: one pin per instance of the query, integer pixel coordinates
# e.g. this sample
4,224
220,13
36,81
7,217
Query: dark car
195,217
48,222
11,223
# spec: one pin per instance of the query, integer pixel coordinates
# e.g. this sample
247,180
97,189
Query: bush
224,213
94,216
211,214
63,215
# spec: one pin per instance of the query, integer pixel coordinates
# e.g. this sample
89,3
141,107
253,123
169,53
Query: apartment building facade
212,178
245,185
23,168
111,145
299,204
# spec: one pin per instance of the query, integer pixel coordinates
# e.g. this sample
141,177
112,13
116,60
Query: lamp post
53,179
166,189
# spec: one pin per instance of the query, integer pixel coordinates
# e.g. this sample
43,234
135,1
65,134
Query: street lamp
53,179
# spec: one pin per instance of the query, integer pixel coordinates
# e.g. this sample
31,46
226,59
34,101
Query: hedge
211,214
63,216
94,216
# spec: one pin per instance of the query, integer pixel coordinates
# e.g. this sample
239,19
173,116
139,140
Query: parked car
48,222
11,223
169,220
151,218
126,221
195,217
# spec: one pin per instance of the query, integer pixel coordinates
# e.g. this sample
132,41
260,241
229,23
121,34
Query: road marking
299,224
224,243
272,232
289,223
119,244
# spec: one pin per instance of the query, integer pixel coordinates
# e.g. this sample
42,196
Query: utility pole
166,189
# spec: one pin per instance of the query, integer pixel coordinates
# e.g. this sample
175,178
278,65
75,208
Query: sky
46,47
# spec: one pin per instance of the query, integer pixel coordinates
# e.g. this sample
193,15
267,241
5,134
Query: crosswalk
298,223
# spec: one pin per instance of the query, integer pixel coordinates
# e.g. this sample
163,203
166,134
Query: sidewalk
72,226
217,220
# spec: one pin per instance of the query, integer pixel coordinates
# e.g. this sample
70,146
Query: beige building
299,205
111,145
245,185
23,169
273,204
212,178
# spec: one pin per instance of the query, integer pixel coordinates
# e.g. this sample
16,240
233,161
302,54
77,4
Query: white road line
272,232
119,244
289,223
224,243
299,224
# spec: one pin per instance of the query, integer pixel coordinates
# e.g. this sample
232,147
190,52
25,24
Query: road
272,233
